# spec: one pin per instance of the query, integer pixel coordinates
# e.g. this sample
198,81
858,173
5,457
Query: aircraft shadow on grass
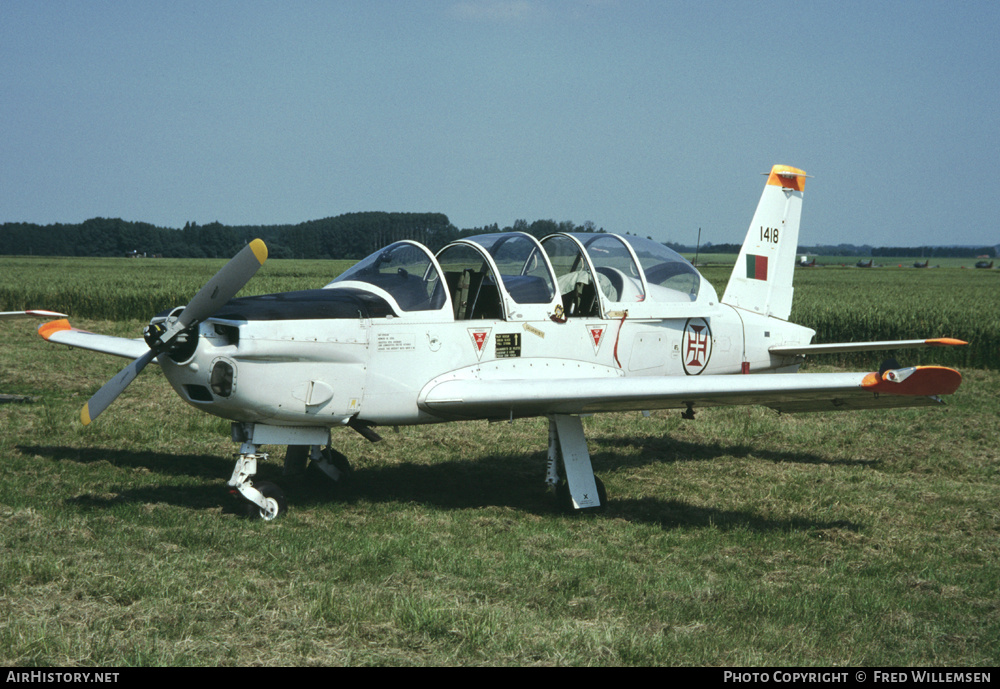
500,481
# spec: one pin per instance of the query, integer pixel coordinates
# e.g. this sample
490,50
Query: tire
339,461
275,496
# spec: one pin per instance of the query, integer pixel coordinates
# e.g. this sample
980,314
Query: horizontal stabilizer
34,313
61,332
839,347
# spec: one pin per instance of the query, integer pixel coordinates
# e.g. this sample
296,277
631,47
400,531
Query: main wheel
275,497
334,467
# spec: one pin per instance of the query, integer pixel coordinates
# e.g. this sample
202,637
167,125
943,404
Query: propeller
171,333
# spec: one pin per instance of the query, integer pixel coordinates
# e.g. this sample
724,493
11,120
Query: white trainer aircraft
500,326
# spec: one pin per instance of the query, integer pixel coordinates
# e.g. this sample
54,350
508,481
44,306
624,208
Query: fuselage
369,344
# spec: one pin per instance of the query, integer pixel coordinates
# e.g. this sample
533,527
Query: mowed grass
739,538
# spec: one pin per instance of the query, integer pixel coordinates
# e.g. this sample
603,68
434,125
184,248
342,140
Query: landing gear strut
568,449
267,501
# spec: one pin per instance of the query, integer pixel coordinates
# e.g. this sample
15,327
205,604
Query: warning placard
395,342
508,345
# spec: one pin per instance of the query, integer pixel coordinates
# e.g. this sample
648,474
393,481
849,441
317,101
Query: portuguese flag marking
756,267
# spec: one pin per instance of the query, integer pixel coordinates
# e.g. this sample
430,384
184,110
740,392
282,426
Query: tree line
864,250
936,251
353,235
348,236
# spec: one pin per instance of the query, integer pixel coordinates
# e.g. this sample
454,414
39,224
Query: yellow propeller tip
85,415
259,249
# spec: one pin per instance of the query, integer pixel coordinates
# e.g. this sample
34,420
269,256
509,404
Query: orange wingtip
924,381
787,177
945,342
47,329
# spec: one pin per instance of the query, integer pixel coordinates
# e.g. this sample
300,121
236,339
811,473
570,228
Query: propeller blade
103,398
221,288
224,285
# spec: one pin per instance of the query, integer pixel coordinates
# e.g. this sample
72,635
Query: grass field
739,538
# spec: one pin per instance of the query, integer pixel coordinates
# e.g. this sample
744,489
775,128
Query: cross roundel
696,348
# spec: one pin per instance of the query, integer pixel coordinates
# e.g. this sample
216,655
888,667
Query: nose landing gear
265,500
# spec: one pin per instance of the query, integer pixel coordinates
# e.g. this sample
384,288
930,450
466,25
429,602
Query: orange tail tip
922,381
47,329
788,177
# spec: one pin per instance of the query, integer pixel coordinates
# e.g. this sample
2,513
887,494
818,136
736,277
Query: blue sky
652,117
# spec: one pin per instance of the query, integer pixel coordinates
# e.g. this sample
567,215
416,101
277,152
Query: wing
61,332
790,392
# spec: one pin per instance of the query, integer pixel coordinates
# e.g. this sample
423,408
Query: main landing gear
265,500
569,473
580,489
325,461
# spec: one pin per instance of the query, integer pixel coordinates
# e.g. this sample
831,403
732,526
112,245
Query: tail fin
762,278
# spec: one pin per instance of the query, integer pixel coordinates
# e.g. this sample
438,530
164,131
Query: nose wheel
265,500
274,498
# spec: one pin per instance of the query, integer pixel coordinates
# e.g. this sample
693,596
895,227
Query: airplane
804,262
984,264
864,264
918,264
500,326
